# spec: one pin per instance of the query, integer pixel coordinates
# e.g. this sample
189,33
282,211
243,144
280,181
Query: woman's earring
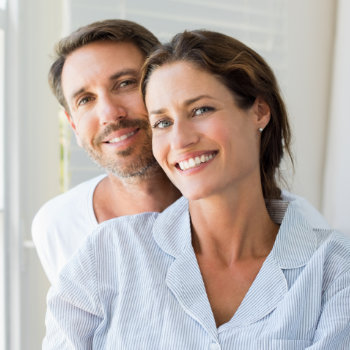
261,129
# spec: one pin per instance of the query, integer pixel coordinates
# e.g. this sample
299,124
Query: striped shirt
136,284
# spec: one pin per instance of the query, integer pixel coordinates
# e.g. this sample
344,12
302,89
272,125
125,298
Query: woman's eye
202,110
162,124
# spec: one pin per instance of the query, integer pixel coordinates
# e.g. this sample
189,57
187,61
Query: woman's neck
232,227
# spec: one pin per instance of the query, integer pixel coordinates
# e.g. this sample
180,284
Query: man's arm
43,234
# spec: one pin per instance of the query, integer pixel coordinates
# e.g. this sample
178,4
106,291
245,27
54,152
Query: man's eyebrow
115,76
186,103
121,73
76,93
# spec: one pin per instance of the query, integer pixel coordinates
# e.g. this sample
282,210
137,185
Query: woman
232,266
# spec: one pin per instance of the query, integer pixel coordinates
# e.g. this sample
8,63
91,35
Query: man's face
100,84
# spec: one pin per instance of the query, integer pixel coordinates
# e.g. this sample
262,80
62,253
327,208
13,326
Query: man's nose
110,109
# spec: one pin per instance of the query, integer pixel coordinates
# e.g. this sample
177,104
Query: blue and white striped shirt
136,284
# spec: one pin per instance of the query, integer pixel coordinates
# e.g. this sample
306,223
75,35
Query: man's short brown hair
117,30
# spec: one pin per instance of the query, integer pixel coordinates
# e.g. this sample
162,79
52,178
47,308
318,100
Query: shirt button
214,346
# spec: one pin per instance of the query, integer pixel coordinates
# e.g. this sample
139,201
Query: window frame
31,163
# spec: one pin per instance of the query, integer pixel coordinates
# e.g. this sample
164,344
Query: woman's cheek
158,149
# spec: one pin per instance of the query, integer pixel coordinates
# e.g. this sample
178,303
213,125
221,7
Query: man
95,78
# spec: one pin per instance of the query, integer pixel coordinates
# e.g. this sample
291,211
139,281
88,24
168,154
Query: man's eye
84,100
126,83
202,110
162,124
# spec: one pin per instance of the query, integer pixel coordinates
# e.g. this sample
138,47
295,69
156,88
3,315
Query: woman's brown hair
247,75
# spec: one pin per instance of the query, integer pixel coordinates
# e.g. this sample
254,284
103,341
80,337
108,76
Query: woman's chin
195,194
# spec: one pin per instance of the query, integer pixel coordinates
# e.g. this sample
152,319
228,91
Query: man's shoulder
67,205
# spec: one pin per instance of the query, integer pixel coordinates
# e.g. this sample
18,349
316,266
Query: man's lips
195,161
120,137
113,131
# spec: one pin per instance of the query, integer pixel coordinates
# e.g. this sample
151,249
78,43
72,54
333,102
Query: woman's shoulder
300,241
313,216
136,227
335,246
110,231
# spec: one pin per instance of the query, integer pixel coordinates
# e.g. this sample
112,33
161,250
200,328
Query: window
2,79
2,278
1,119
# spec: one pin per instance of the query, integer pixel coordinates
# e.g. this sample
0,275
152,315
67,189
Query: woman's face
203,141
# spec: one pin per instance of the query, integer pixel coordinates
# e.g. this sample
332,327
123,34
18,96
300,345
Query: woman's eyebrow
195,99
186,103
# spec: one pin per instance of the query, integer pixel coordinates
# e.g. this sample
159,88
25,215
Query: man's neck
114,197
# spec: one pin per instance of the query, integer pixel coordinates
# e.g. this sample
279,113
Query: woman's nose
183,135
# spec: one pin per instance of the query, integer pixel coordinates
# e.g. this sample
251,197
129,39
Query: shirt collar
296,240
295,243
172,228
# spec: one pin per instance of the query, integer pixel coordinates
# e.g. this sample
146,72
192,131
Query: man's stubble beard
141,167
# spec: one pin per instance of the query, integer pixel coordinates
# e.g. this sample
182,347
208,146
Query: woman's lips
193,162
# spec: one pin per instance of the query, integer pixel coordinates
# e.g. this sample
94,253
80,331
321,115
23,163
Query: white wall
337,173
310,51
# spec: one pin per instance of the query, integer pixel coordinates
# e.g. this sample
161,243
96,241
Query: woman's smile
195,161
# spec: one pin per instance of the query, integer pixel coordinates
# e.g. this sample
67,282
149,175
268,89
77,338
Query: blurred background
305,41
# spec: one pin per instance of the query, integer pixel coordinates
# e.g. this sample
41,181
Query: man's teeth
193,162
121,138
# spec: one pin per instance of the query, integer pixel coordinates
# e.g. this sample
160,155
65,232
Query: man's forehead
101,51
98,61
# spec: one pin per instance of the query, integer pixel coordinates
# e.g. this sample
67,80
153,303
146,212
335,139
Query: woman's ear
262,112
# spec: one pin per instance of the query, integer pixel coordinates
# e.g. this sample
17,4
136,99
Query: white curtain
336,199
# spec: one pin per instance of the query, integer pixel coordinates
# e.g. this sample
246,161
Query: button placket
214,346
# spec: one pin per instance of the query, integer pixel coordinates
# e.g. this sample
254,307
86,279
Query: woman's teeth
193,162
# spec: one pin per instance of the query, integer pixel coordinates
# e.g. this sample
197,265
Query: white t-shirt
62,224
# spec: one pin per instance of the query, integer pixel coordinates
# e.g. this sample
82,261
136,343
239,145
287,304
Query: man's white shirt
62,224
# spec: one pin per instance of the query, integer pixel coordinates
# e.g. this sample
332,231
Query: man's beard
137,167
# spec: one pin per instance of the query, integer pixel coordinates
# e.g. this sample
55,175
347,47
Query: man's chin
136,172
140,169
